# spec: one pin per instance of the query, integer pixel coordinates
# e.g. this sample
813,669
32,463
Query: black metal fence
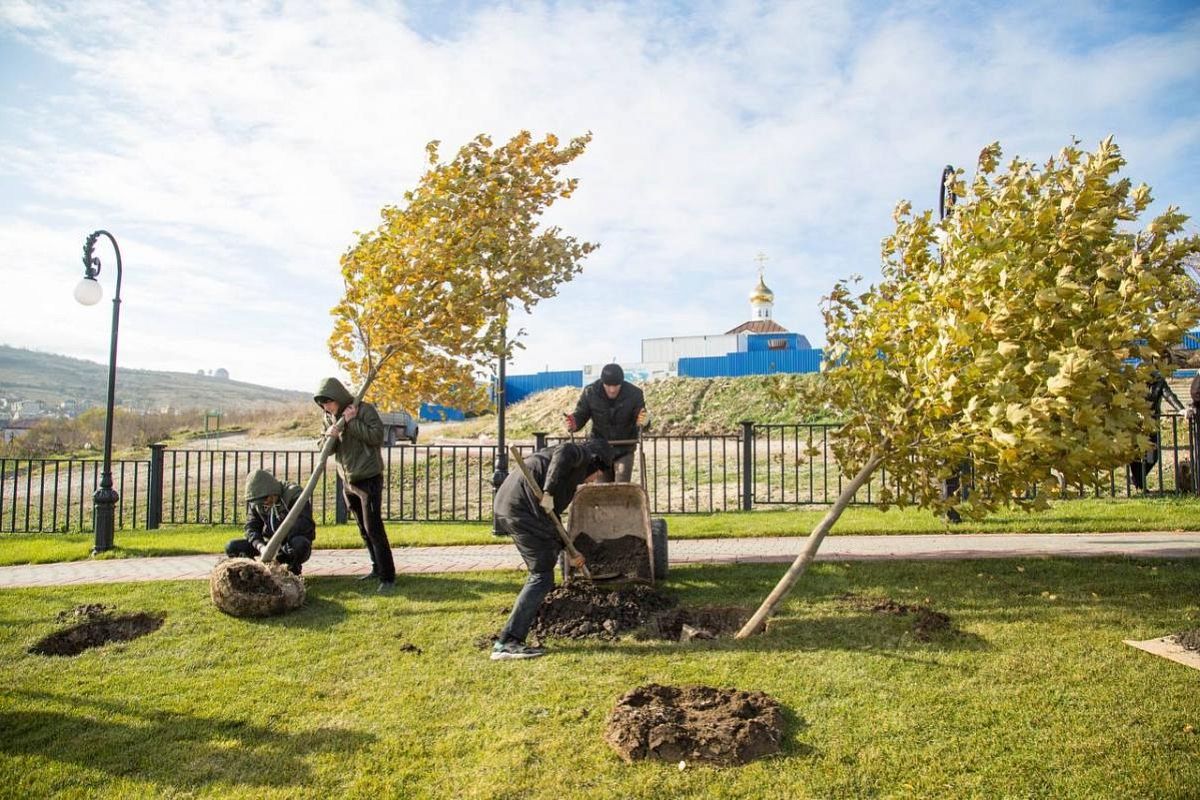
761,466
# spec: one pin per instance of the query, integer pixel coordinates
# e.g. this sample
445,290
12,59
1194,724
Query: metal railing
761,466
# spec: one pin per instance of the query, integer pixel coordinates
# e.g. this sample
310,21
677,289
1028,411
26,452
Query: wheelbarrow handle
537,494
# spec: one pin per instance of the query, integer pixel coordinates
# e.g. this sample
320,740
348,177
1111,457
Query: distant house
29,409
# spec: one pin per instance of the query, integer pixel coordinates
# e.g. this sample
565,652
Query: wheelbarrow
606,513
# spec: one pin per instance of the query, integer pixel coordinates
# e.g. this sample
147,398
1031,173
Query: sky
234,149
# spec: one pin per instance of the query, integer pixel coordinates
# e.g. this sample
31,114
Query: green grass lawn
1075,516
1034,695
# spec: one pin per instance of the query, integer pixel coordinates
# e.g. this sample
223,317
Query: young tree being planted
1017,335
427,292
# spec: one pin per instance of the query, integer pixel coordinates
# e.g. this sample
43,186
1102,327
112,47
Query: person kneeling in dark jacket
269,502
558,471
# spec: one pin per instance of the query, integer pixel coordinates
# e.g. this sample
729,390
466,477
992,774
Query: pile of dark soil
926,622
626,555
686,624
243,587
581,610
1189,639
84,612
99,627
695,723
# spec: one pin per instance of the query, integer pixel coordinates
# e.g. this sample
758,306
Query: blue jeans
524,612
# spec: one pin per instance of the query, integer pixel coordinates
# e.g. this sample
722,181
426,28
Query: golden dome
761,293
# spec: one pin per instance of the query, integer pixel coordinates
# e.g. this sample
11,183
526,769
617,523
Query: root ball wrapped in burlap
242,587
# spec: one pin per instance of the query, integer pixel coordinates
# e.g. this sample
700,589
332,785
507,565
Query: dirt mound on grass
925,623
243,587
99,627
1189,639
695,723
686,624
580,610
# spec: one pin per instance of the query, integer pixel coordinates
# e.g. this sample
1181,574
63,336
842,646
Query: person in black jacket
559,470
1158,391
269,501
616,409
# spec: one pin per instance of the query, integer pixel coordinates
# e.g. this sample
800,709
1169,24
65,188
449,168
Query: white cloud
234,148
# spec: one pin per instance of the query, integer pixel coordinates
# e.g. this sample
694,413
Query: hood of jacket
334,390
262,483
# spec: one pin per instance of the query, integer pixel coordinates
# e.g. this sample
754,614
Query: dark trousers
1139,470
370,526
538,545
294,552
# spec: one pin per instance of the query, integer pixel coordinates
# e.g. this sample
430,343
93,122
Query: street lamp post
501,401
88,293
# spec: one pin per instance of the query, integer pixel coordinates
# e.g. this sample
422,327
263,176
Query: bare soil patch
688,624
98,627
580,610
925,621
695,724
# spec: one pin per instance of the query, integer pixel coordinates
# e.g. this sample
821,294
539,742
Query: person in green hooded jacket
269,501
361,463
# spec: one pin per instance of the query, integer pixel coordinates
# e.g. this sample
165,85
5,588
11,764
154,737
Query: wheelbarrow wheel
658,537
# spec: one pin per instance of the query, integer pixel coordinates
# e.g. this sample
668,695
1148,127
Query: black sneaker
370,576
386,587
514,650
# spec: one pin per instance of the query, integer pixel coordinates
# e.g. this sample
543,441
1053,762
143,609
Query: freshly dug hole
686,624
243,587
97,629
579,610
695,723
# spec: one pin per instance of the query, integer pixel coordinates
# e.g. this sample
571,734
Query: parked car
399,425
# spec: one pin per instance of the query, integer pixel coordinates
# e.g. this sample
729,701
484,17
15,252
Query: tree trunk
810,550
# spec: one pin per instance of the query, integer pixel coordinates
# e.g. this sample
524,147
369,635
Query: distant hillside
30,375
702,406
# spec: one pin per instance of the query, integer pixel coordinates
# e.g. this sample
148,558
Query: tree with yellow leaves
1018,334
427,292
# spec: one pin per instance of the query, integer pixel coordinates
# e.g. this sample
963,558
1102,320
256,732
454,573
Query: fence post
539,440
339,501
154,495
747,465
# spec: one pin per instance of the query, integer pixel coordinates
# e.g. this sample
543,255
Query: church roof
758,326
761,293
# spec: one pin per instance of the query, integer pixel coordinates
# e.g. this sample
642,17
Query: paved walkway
682,551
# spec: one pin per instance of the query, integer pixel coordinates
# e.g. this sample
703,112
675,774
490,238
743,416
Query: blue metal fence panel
756,362
1191,340
431,412
518,387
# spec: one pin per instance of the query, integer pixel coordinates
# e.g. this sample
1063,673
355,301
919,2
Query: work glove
547,503
259,545
643,418
578,561
570,423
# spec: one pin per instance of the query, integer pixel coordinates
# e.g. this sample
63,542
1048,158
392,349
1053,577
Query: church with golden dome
759,345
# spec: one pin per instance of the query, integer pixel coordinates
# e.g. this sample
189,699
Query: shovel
537,495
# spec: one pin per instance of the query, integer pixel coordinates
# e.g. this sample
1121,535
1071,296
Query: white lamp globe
88,292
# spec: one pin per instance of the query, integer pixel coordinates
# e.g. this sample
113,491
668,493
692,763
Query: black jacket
612,420
261,526
558,470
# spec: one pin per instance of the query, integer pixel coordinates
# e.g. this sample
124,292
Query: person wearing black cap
559,470
616,409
